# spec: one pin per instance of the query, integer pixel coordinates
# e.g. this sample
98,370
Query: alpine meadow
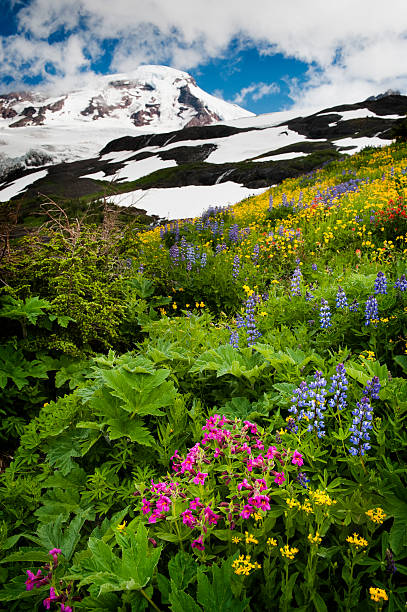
210,414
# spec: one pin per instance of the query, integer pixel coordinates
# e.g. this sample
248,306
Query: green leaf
182,602
182,569
27,555
124,427
218,595
30,309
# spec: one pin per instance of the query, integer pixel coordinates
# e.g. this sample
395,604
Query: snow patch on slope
20,185
184,202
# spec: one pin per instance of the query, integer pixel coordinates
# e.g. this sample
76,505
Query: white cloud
256,91
355,48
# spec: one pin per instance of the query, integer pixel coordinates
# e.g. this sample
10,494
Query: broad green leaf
182,569
126,428
182,602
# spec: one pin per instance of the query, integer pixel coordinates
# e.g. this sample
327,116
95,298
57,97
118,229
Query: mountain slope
247,154
79,123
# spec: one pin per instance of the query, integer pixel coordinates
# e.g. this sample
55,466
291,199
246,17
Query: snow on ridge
184,202
20,185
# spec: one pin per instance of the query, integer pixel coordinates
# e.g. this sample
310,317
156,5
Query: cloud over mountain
355,48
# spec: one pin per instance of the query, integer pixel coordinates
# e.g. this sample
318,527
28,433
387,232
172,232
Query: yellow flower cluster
250,539
368,355
378,594
321,498
316,539
288,553
243,565
306,506
272,542
121,527
236,540
377,515
357,540
292,503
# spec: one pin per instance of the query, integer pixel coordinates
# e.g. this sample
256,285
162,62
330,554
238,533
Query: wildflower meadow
211,414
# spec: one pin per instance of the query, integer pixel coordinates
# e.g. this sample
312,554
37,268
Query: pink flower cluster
38,580
240,448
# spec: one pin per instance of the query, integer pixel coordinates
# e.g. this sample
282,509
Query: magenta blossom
146,507
188,518
54,552
279,479
195,504
198,543
247,511
65,608
200,478
32,580
210,516
297,458
52,597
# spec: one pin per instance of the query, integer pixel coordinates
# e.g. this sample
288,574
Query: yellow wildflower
272,542
288,552
316,539
121,527
357,540
236,540
291,503
378,594
250,539
377,515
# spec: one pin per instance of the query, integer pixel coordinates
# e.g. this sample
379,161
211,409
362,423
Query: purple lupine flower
255,254
339,388
295,282
380,284
252,331
325,314
316,404
234,339
240,322
302,479
220,248
372,388
203,260
309,296
174,254
234,233
354,306
361,425
271,202
341,301
371,310
236,267
314,267
401,283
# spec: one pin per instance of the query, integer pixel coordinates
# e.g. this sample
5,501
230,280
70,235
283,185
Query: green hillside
210,415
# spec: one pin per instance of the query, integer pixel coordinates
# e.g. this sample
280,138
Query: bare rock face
145,117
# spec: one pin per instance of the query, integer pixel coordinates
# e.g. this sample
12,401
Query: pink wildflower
279,479
297,458
247,511
244,484
188,518
210,516
54,552
32,580
52,597
200,478
195,504
198,543
146,507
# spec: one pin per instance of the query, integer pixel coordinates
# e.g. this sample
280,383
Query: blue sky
264,55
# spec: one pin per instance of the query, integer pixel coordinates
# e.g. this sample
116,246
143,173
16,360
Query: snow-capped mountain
77,124
180,173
